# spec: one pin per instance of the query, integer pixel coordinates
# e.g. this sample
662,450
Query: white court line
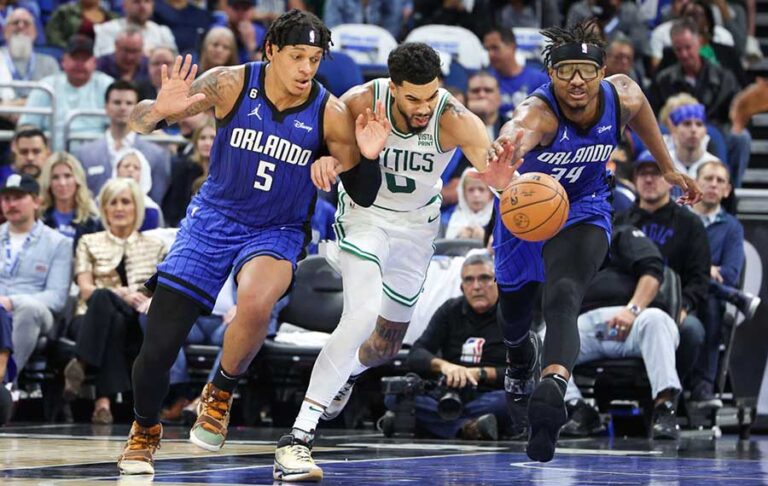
652,475
608,452
239,468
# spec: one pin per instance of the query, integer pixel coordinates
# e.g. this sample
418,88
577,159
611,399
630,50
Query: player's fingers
192,73
196,98
176,67
379,109
163,74
185,66
360,121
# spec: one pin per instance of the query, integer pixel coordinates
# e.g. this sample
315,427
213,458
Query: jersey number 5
264,176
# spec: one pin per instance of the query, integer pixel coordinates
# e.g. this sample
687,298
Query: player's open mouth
577,94
303,84
420,121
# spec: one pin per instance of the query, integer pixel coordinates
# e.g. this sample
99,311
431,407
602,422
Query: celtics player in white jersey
414,126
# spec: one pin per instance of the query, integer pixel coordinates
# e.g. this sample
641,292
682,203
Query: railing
88,136
6,135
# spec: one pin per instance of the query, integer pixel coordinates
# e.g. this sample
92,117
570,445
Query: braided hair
585,32
279,29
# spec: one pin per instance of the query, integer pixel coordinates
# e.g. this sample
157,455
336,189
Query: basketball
534,207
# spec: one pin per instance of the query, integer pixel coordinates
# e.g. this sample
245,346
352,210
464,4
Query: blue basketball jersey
261,157
576,157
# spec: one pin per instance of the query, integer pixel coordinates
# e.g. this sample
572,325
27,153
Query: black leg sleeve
572,258
171,316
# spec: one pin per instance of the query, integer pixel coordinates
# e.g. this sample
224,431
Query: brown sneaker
102,416
210,429
139,451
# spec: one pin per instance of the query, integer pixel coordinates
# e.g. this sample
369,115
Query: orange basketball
534,207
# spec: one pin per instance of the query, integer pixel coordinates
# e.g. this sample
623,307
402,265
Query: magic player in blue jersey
251,215
568,129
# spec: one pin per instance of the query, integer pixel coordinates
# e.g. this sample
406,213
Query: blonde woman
67,204
132,164
219,49
188,173
110,268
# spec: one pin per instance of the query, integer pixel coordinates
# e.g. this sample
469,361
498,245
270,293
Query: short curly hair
585,32
414,62
278,30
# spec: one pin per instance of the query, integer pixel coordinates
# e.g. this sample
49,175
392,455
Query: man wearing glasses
568,129
465,333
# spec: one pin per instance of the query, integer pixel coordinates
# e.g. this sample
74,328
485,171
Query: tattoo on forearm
140,121
215,85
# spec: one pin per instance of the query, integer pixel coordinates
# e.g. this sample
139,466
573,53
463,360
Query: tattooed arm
181,95
636,112
459,127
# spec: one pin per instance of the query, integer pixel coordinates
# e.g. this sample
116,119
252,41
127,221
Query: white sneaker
339,401
293,461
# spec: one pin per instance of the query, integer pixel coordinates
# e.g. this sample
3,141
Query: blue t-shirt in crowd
515,89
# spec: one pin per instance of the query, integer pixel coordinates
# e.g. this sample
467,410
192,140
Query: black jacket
90,225
452,324
632,255
184,172
682,240
715,89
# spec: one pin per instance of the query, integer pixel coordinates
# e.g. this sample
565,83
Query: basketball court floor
85,455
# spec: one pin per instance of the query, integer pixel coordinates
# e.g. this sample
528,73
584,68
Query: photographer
466,333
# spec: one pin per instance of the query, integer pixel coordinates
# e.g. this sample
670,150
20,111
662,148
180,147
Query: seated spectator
726,243
37,268
516,81
188,172
682,240
620,59
98,156
67,204
621,318
624,191
389,14
219,49
79,87
128,61
158,57
18,53
473,211
448,12
687,141
466,335
110,269
240,16
661,38
484,100
8,6
187,22
536,14
138,13
78,17
712,85
132,164
30,151
615,19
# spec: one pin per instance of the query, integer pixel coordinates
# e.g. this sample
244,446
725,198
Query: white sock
357,368
308,417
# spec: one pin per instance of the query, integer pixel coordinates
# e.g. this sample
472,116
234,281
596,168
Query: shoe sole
545,421
665,437
135,467
753,307
204,445
312,475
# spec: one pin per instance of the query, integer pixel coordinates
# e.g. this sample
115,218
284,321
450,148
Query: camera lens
449,407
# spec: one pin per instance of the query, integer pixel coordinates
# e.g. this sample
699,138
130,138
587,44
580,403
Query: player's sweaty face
576,83
296,66
416,103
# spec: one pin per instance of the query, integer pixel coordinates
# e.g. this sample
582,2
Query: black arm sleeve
362,182
429,344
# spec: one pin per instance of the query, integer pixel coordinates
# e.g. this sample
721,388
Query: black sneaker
583,420
747,304
546,415
518,385
702,398
665,422
484,427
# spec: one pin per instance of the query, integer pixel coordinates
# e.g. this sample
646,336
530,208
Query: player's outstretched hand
173,97
502,161
683,181
371,131
324,172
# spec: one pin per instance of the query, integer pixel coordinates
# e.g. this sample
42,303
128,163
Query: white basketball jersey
411,163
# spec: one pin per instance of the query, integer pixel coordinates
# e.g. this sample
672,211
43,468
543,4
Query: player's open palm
371,131
503,160
173,97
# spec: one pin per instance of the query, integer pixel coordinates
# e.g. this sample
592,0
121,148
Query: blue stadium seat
339,72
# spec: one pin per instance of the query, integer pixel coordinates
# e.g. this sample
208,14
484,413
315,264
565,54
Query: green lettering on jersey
398,184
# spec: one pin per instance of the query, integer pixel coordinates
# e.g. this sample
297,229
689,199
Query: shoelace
143,440
301,452
216,404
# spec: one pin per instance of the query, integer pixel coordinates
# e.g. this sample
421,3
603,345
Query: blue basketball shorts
210,245
519,262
